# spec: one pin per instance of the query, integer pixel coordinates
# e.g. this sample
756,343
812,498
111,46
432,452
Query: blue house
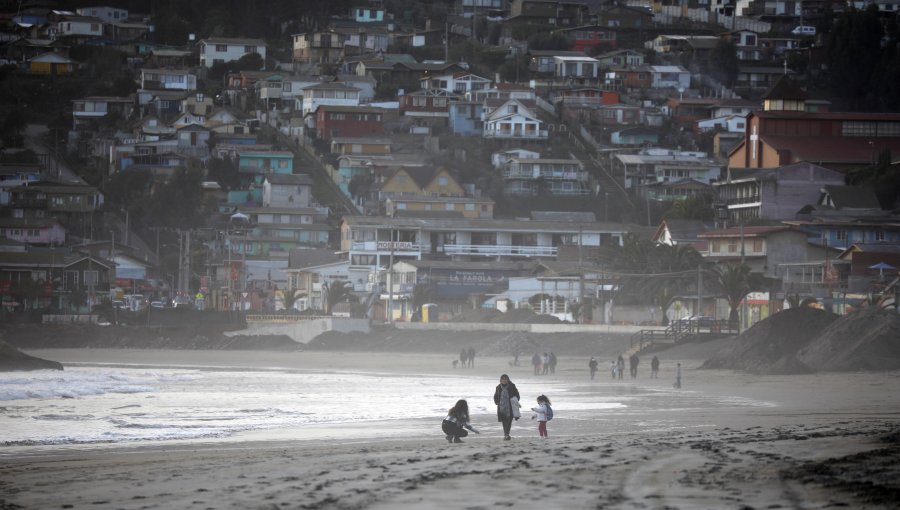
465,118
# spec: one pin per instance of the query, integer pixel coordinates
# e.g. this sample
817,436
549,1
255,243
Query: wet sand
810,441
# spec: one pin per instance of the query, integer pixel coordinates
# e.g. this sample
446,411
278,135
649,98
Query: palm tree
655,273
289,298
334,292
735,282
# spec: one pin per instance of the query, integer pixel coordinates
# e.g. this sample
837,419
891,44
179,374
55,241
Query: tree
334,292
289,298
724,64
734,282
654,273
696,207
853,51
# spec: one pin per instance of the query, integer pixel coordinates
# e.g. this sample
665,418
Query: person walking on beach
613,367
552,363
536,363
545,364
463,357
633,362
471,356
677,376
456,422
542,414
654,368
620,366
502,395
592,365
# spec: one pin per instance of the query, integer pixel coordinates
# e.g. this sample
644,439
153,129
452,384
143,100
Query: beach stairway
680,331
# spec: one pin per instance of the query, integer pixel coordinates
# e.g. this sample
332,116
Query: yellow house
430,189
51,64
420,181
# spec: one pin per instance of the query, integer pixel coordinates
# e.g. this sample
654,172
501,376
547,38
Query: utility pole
391,281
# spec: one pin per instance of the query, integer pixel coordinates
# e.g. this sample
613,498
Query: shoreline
727,440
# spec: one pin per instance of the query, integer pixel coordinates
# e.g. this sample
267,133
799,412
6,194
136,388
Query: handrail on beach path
275,317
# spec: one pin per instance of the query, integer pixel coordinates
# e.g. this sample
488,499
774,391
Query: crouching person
456,422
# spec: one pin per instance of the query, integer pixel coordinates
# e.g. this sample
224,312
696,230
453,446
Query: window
91,278
440,102
512,108
363,260
732,246
757,246
221,48
249,49
95,27
841,235
443,180
470,207
879,235
418,101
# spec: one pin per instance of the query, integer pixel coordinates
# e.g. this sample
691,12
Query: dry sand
827,440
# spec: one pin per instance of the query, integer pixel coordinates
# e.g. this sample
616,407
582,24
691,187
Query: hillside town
598,161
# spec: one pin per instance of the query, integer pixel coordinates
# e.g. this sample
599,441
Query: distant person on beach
463,357
471,356
536,363
613,365
545,364
620,366
456,422
552,363
633,362
516,357
592,365
502,395
654,368
542,414
677,376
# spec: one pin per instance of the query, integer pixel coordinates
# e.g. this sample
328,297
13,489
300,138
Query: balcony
386,246
539,134
500,250
549,175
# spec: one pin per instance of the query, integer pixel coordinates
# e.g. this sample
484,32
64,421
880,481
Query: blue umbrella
881,266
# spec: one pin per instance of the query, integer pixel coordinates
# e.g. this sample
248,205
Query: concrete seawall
302,331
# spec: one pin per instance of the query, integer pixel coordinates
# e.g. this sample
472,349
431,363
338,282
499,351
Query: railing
681,330
546,174
500,250
498,133
284,317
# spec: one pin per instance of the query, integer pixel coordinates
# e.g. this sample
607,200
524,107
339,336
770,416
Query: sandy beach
726,440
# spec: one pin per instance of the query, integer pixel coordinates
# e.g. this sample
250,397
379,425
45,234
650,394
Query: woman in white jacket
541,412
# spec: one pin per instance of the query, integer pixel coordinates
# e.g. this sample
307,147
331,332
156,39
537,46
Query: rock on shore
12,360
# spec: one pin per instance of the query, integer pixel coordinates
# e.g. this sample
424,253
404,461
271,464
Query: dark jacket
513,392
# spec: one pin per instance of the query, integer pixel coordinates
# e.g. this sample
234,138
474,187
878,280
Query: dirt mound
865,340
771,345
12,359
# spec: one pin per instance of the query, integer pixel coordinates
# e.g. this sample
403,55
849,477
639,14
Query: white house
575,67
458,83
500,159
83,26
217,50
330,94
513,119
669,76
107,14
168,79
731,123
